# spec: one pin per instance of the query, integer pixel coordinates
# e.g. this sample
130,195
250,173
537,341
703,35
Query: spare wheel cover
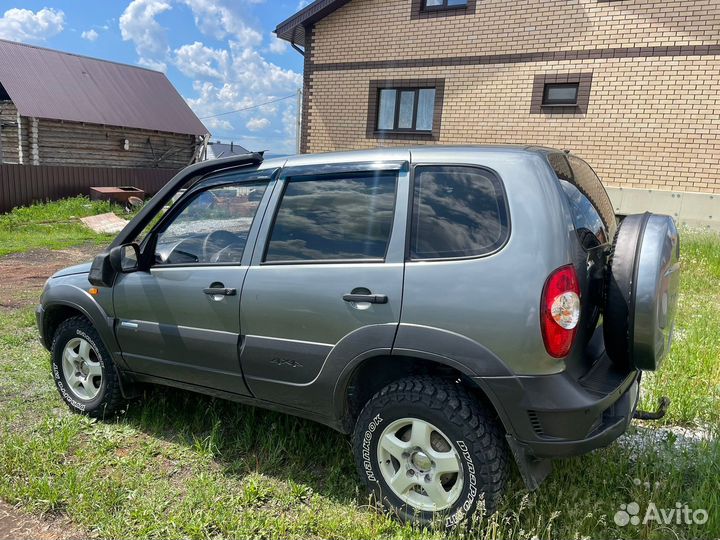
642,293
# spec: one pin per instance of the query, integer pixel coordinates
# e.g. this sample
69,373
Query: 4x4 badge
287,362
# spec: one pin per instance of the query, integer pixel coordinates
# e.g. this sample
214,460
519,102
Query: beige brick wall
652,122
377,29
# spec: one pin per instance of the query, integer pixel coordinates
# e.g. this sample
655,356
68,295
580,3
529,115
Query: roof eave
308,15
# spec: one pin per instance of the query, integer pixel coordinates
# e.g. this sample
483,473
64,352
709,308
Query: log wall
91,145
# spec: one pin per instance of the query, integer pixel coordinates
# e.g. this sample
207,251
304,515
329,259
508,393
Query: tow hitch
657,415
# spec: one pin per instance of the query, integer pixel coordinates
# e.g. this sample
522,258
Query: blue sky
221,55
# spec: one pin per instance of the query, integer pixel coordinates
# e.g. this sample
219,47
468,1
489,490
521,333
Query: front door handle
220,291
369,298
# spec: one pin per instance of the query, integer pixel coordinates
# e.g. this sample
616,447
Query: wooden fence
21,185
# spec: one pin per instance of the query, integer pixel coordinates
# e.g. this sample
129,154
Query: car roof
398,154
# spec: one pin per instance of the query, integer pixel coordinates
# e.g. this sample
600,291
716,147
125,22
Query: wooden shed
63,109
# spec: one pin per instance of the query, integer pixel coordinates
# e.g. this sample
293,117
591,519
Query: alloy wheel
82,369
420,464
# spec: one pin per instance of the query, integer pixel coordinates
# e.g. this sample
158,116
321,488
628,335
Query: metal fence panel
21,185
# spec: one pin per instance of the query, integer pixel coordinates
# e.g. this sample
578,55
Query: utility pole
298,122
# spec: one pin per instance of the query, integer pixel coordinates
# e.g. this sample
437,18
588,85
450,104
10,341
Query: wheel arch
367,374
67,299
53,317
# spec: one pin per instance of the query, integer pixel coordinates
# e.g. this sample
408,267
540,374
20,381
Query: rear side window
458,211
345,217
590,205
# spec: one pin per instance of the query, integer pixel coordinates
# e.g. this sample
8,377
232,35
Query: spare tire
642,291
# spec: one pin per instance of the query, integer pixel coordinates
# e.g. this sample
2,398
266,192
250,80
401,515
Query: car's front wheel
428,450
83,370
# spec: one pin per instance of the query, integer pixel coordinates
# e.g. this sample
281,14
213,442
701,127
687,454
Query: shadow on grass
581,496
243,439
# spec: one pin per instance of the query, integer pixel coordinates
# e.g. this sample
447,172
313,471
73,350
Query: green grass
184,465
54,225
690,377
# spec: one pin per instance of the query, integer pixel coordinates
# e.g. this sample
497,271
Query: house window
444,4
431,9
560,94
406,109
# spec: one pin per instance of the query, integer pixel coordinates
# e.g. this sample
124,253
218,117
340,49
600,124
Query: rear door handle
220,291
369,298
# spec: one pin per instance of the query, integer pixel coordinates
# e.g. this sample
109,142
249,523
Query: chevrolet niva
453,308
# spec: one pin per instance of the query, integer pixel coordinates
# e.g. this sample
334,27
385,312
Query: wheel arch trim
467,357
69,296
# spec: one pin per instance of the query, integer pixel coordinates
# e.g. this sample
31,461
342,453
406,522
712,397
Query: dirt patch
16,525
22,275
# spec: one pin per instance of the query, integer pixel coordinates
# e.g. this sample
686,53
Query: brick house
631,85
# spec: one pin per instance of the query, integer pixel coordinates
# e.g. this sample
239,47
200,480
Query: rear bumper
559,415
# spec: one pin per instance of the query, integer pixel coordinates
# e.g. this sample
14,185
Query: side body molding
319,394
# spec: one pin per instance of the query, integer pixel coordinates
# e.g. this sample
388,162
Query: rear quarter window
458,211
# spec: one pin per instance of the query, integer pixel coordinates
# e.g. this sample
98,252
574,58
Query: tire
457,425
642,291
616,322
83,370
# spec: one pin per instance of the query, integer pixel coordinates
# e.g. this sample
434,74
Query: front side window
440,4
212,228
458,211
334,218
409,109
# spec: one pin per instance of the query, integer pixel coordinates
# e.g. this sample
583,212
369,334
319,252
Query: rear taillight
560,311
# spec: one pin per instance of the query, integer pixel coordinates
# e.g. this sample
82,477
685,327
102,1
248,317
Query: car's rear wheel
83,370
429,451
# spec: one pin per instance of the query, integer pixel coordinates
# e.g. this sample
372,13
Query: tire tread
481,430
113,401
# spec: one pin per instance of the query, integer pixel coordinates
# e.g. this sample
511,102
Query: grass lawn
184,465
54,226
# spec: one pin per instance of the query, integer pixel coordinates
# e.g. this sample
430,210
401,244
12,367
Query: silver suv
453,308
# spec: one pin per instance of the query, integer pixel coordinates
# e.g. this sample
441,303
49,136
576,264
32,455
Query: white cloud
157,65
90,35
228,75
277,45
197,60
26,25
215,19
242,78
138,24
257,124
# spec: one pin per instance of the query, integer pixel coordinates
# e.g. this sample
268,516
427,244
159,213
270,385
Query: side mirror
124,259
119,260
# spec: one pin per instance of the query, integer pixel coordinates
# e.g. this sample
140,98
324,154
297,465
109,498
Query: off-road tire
109,401
464,420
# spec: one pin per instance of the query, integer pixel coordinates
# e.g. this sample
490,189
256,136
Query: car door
180,319
326,277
